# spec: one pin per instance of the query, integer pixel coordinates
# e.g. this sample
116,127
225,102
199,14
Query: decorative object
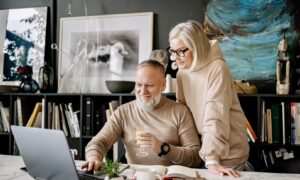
46,78
244,87
113,46
161,56
171,84
115,86
23,32
27,83
283,68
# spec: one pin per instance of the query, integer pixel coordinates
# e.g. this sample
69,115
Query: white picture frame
87,46
22,42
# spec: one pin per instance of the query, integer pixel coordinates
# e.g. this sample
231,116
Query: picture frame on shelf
93,49
22,39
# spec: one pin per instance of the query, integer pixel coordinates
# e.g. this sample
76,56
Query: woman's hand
222,171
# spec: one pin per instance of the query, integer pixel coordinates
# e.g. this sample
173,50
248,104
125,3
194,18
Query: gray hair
152,63
192,34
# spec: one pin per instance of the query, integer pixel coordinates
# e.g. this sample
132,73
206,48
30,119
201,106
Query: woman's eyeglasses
180,52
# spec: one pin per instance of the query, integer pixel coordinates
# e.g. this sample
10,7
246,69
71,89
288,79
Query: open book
174,171
177,171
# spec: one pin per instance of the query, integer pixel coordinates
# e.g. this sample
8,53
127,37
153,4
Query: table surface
10,169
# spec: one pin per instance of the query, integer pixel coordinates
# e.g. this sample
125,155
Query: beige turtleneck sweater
170,122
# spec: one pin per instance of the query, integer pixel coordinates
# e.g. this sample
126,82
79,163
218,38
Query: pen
126,167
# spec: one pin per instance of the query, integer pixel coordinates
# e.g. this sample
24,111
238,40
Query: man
171,136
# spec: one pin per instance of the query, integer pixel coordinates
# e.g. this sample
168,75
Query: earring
174,65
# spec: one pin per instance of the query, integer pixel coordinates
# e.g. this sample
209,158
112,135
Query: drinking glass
142,151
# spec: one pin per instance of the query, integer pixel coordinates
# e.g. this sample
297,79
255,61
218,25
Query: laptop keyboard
86,176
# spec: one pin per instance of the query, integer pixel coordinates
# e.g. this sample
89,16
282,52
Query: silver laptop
46,154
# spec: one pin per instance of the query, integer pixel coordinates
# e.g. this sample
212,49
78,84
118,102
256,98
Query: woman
205,85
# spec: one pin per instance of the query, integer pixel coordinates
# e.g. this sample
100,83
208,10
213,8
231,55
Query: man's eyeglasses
147,85
180,52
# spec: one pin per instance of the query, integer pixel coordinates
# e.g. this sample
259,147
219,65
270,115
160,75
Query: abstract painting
249,33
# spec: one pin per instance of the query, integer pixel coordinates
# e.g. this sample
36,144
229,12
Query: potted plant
112,170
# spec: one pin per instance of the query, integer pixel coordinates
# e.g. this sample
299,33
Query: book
269,126
264,155
36,110
283,120
43,114
263,125
88,117
276,123
19,110
251,133
4,111
1,125
64,120
293,120
167,172
69,120
287,123
38,121
74,120
297,124
177,171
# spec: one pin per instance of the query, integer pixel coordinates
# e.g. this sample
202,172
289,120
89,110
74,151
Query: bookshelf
93,106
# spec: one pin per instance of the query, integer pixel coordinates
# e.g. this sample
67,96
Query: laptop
46,154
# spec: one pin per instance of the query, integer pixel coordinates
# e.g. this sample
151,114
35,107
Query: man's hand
145,138
222,171
93,163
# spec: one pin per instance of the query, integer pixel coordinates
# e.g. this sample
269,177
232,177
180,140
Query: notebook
46,153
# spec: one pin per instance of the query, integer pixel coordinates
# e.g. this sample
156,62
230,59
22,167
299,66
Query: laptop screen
45,152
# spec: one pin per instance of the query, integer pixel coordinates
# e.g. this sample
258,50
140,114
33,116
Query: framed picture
94,49
22,39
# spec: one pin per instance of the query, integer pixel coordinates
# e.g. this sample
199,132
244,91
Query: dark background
167,13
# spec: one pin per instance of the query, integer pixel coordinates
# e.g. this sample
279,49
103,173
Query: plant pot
114,178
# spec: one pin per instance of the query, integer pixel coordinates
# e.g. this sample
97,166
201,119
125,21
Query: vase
46,77
29,85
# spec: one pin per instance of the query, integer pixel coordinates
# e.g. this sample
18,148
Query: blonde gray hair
192,34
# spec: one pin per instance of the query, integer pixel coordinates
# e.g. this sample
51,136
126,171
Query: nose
143,89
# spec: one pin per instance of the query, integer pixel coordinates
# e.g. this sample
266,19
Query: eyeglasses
180,52
147,85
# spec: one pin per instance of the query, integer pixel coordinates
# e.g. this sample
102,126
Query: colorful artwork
249,32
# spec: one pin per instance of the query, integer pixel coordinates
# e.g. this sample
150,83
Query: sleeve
179,89
187,153
216,125
108,135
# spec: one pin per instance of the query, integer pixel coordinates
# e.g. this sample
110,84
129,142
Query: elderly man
170,136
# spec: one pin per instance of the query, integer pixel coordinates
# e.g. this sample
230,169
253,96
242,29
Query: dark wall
167,13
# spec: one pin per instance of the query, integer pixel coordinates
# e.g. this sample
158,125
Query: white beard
148,106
